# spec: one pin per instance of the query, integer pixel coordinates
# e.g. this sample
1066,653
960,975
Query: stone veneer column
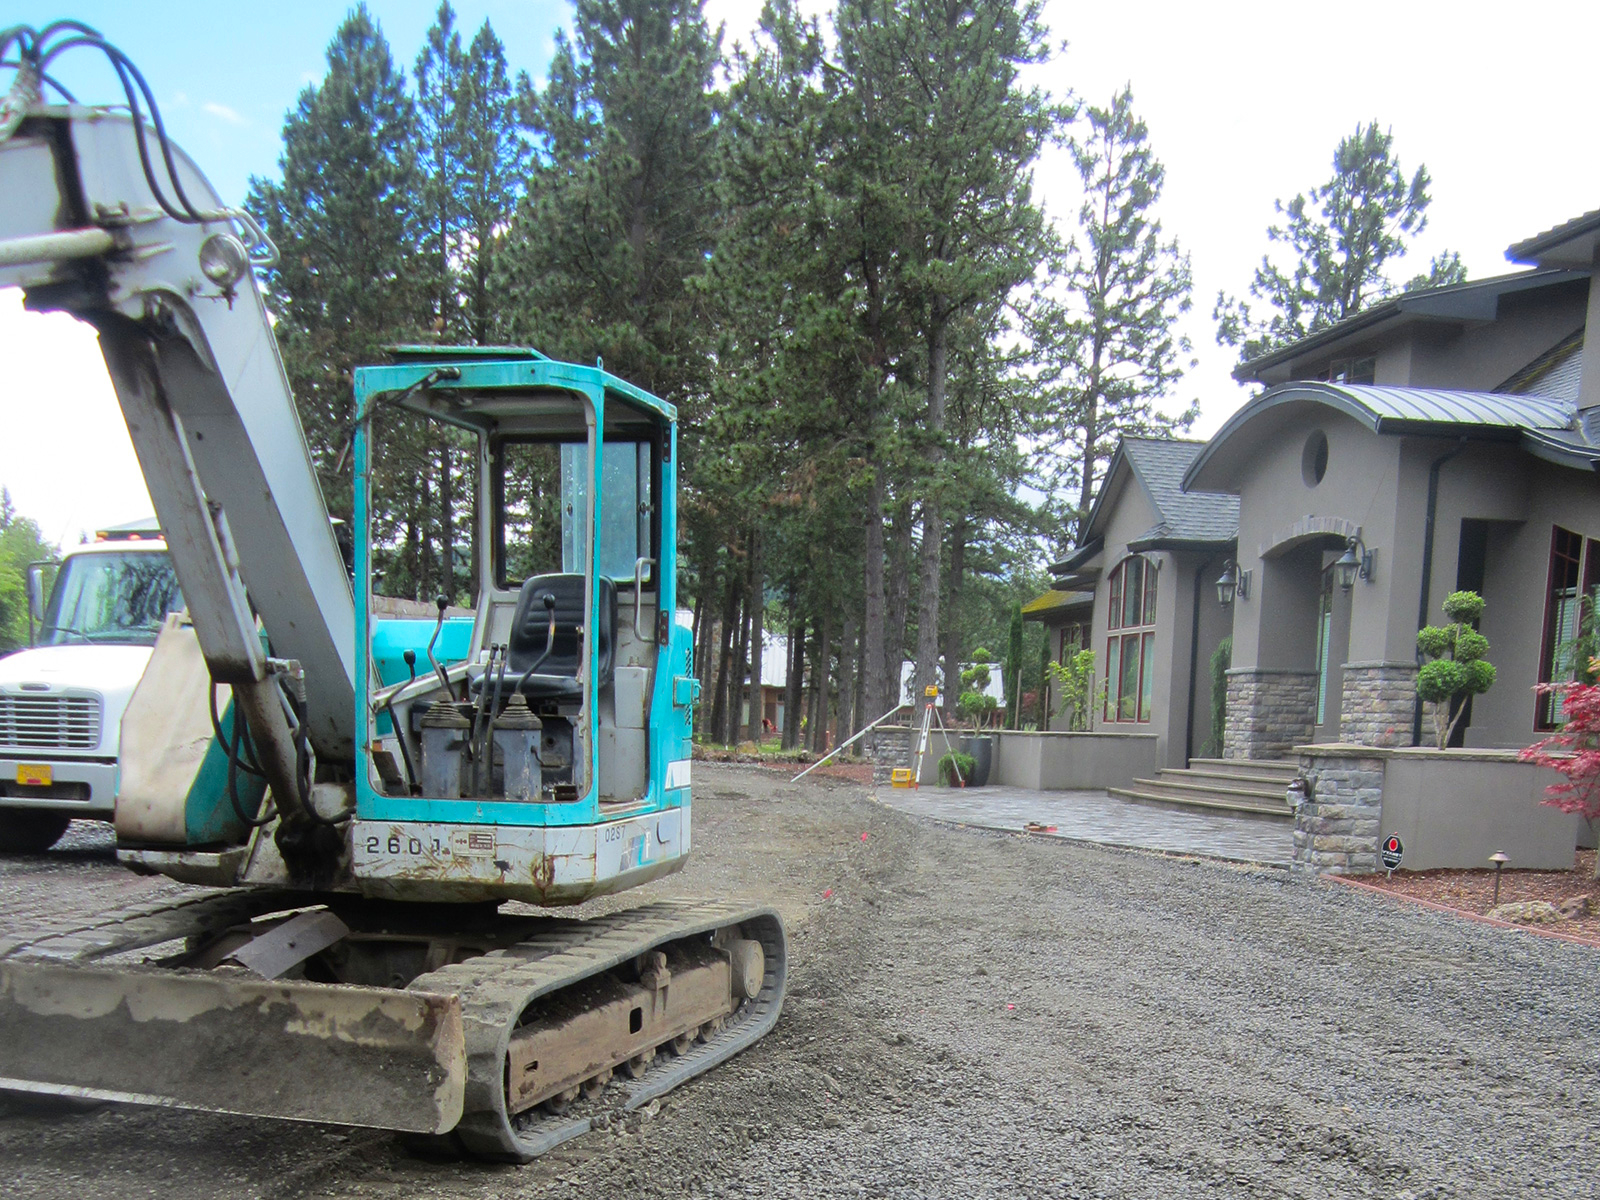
1270,712
1337,830
1377,704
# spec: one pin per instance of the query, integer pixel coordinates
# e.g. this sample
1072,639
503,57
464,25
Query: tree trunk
819,685
873,680
741,664
952,615
846,723
757,603
719,704
930,574
898,605
791,684
447,524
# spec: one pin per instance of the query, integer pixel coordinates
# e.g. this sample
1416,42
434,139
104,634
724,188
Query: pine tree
950,136
621,218
344,220
1108,335
1343,236
474,163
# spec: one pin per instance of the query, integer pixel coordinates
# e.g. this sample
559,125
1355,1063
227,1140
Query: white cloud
223,112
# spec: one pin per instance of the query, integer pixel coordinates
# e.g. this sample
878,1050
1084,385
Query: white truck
61,700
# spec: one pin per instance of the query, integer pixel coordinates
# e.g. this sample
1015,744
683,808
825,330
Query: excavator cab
536,744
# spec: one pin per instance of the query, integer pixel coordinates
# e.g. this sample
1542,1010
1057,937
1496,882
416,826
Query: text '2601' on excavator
360,782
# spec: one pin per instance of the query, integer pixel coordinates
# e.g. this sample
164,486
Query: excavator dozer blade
295,1050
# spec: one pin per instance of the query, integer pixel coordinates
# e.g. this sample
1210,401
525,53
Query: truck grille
50,722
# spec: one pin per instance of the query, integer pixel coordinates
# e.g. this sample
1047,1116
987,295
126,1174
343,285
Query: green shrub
953,761
1456,670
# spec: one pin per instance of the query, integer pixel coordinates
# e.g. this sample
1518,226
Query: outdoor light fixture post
1499,858
1354,564
1233,581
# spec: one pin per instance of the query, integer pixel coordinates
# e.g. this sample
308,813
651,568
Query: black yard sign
1391,852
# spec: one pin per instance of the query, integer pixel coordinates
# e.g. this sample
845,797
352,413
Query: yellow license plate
34,774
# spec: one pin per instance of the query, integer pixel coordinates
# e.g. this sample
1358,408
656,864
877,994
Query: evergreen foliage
1107,329
1343,237
1456,669
821,246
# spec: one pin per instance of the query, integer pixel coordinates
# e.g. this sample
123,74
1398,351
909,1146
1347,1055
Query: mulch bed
1471,893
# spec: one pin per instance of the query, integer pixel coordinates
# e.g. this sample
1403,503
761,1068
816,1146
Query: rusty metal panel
300,1051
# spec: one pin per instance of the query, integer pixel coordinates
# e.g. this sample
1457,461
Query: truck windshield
111,598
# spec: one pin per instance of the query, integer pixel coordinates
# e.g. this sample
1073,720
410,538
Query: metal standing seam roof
1425,411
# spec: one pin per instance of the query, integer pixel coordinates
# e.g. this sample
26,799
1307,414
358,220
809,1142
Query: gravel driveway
974,1014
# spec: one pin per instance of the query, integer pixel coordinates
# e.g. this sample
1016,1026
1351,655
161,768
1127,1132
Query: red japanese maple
1574,750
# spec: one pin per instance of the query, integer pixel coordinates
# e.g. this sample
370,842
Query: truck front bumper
82,787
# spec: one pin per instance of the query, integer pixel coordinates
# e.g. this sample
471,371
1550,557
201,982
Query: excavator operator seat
557,677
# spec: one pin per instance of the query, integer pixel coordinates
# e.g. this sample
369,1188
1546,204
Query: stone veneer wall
1269,712
1377,704
1337,829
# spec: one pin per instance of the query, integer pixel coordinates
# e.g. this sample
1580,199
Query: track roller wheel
636,1066
595,1084
681,1045
710,1029
561,1101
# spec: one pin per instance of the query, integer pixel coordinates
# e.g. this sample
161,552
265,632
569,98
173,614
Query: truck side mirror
35,597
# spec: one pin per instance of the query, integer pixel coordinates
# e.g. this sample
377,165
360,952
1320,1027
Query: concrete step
1194,802
1258,768
1266,791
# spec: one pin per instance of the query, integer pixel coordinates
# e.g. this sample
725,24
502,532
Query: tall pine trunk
819,684
719,704
793,679
930,574
898,605
875,687
846,723
952,611
757,603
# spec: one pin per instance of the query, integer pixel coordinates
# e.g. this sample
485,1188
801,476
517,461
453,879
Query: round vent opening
1314,458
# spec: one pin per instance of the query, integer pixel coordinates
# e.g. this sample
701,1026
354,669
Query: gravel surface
974,1014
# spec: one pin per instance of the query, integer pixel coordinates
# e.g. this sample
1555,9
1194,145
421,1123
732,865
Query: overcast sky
1244,102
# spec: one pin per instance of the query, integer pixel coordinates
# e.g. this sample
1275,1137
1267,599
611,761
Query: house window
1131,640
1350,370
1074,638
1574,571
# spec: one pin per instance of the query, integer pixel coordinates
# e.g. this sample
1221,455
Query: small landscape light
1499,858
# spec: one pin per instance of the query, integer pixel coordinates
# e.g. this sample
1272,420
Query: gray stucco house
1440,440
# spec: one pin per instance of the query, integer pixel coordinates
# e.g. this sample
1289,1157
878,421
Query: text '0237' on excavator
362,786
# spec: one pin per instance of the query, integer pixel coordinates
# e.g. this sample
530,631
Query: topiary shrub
1456,669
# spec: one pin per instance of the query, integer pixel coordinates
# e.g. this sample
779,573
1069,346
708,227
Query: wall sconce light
1233,581
1352,565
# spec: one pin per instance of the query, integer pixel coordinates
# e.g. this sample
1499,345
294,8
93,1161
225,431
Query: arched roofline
1423,411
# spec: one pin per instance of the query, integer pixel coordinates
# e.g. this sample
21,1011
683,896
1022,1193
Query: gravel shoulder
977,1014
